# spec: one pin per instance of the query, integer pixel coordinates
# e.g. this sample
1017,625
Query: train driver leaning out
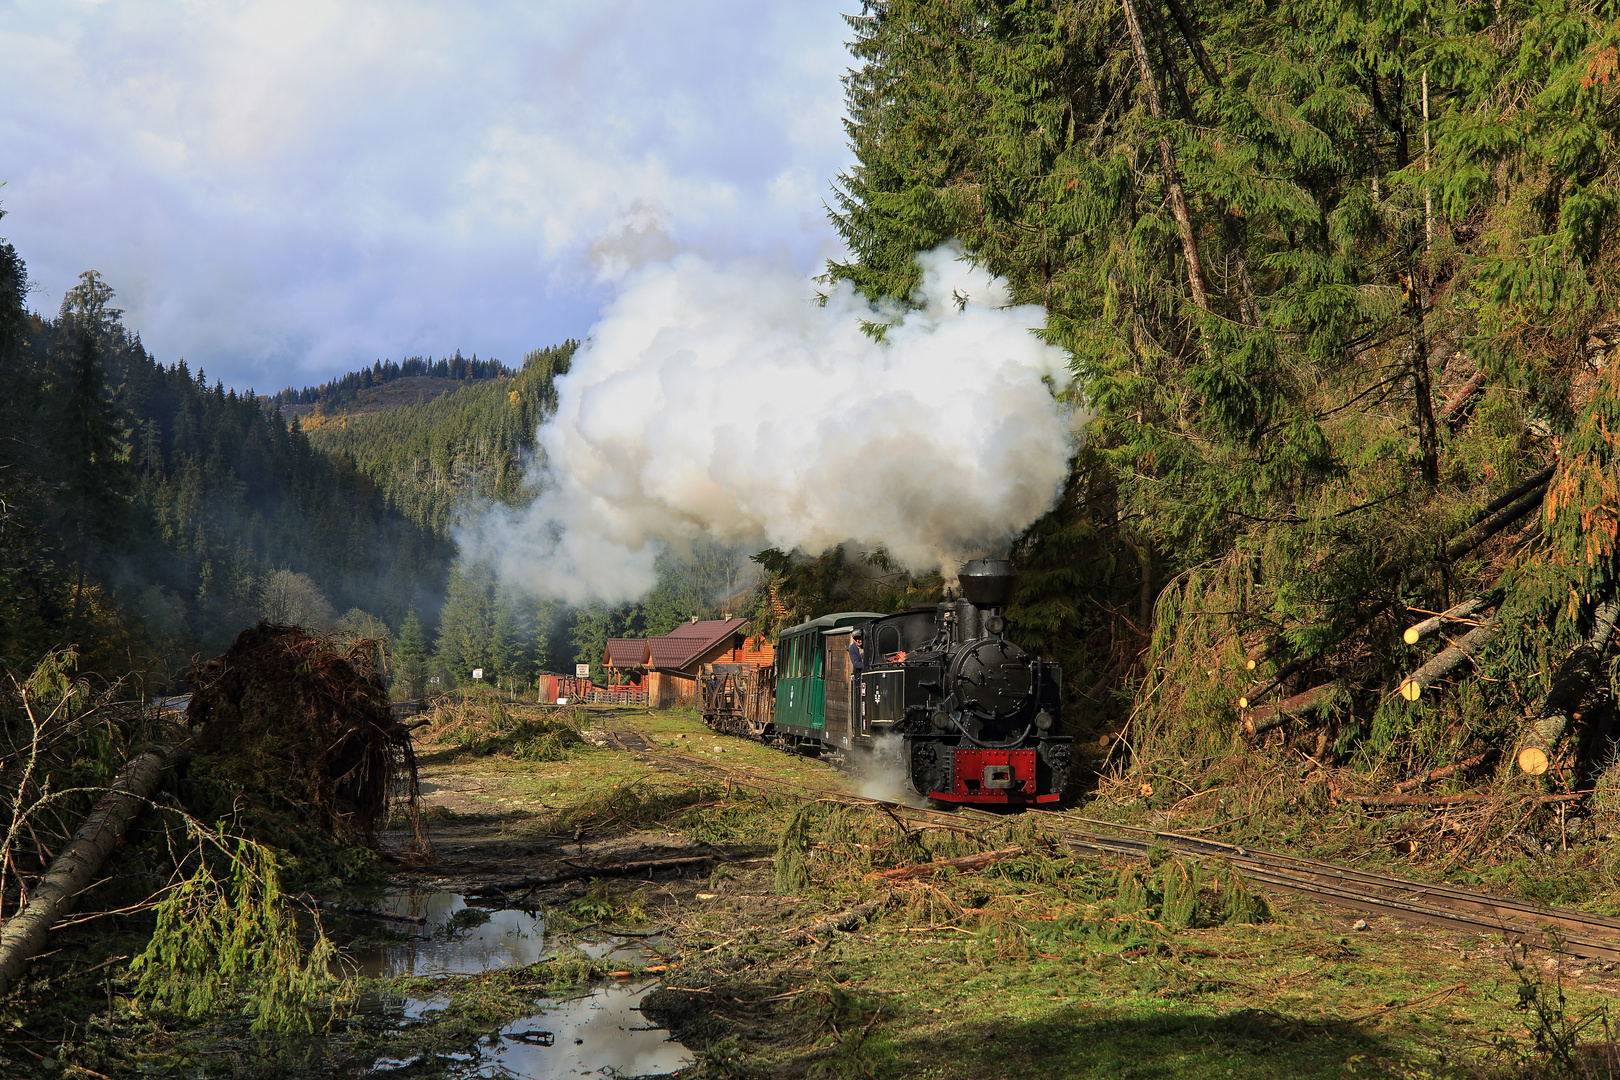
855,655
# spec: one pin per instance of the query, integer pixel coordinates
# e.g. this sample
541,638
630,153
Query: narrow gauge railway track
1517,920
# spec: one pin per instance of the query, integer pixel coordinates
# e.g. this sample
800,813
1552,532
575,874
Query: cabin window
888,640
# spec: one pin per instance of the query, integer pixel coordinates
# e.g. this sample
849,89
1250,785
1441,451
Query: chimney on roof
694,619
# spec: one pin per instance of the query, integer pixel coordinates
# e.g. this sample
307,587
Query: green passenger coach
812,677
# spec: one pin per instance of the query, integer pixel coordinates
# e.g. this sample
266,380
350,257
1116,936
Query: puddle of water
601,1034
451,943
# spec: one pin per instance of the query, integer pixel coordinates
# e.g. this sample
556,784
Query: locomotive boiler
944,701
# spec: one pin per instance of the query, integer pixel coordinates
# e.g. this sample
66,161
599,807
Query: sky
281,192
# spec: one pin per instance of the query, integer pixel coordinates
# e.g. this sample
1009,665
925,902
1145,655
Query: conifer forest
1332,578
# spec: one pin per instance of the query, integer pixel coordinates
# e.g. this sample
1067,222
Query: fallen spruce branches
75,867
962,862
1496,515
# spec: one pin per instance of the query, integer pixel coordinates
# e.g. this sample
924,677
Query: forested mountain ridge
1333,277
469,445
145,515
366,389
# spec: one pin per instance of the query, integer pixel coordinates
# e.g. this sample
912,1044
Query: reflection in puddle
457,940
598,1033
602,1033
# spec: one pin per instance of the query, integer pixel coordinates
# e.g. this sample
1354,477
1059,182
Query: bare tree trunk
1167,159
1423,404
76,865
1574,678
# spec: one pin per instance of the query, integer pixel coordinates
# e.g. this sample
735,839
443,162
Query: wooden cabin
674,661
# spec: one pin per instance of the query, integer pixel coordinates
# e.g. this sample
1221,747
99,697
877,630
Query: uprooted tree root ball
306,723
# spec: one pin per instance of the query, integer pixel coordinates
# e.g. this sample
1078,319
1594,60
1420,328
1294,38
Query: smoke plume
724,401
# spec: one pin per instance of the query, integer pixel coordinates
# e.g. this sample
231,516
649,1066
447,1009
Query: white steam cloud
723,401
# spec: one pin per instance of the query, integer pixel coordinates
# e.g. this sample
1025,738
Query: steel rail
1436,903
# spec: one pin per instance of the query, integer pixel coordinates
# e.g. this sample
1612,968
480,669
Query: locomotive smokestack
987,583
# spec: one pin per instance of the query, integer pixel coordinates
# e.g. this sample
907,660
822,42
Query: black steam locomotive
960,713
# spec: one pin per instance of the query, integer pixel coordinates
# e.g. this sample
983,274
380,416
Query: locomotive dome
987,582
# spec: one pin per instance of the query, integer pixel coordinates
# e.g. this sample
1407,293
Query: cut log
1447,771
1573,679
1451,411
1263,652
1266,717
964,862
75,867
1447,660
1420,630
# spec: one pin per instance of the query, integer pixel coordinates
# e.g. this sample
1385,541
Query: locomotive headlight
941,721
995,624
1043,720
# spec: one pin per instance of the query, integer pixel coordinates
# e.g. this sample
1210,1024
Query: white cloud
280,191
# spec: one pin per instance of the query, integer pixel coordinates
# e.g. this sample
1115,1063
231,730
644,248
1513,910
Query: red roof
624,653
689,641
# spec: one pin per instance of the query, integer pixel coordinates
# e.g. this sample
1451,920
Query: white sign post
478,673
582,671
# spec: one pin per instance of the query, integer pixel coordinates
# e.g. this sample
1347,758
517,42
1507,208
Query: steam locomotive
944,701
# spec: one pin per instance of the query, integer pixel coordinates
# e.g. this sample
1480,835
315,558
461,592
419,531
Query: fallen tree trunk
1449,770
579,872
1266,717
75,867
1420,630
1450,411
361,912
1574,678
1523,487
1494,524
844,920
964,862
1447,660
